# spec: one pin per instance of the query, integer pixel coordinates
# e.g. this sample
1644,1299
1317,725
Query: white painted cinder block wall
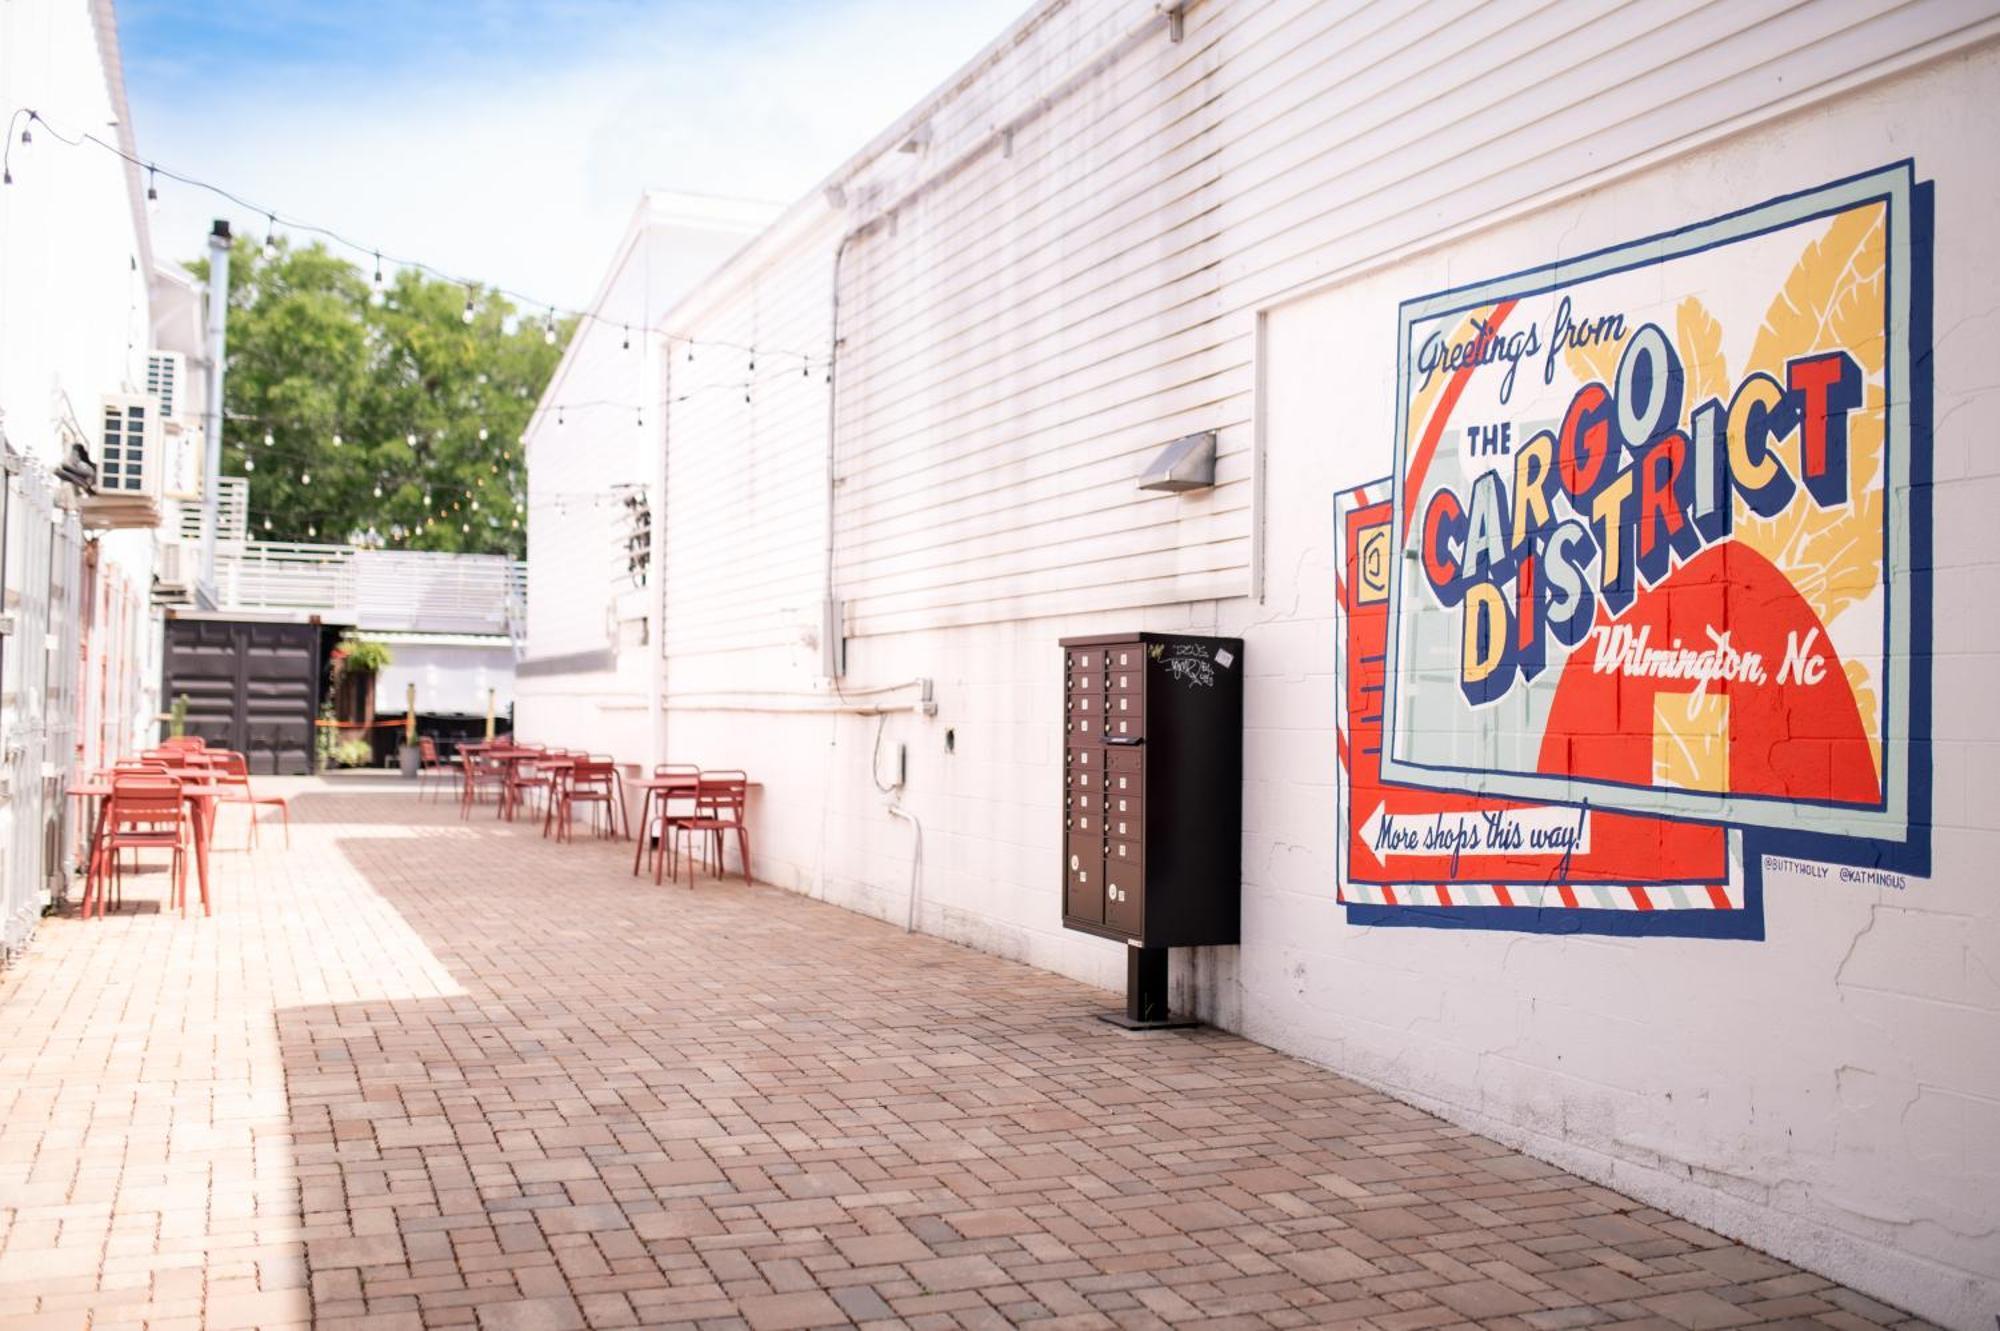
1832,1093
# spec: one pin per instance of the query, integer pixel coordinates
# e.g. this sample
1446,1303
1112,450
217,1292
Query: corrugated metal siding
1027,333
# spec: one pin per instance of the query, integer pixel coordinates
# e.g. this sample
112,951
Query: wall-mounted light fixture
1185,464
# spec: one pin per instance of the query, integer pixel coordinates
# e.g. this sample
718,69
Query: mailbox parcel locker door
1085,898
1125,897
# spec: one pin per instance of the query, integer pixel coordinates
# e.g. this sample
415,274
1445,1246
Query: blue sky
509,139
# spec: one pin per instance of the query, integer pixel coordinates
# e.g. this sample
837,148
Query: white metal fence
374,589
41,572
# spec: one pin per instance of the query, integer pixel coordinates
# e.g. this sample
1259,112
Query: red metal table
200,798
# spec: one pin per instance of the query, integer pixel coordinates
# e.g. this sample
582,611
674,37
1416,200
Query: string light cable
276,220
305,456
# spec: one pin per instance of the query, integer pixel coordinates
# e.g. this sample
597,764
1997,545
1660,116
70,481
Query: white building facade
1489,311
96,346
591,463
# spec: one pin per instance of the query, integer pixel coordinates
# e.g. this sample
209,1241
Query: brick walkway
418,1072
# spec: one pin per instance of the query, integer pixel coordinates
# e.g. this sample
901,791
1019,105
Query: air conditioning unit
130,443
128,454
166,371
181,435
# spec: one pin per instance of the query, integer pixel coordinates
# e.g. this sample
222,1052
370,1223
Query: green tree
365,416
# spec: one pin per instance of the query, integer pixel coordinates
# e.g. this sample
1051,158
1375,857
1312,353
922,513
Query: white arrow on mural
1543,830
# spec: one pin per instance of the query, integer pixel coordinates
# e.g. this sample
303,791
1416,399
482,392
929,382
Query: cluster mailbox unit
1153,800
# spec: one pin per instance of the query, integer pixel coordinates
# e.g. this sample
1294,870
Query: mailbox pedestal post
1146,993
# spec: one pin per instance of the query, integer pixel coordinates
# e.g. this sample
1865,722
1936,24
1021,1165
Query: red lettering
1657,475
1584,445
1439,565
1828,386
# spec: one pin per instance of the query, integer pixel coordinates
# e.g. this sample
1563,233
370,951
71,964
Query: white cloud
525,176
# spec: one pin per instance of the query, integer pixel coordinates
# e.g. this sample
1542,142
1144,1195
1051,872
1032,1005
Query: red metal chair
433,771
657,816
233,770
144,812
479,772
525,777
555,764
594,783
721,801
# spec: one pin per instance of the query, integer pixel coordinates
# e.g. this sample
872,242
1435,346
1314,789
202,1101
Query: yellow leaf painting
1598,361
1833,300
1698,339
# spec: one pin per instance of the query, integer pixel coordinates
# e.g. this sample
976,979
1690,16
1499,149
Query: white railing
373,589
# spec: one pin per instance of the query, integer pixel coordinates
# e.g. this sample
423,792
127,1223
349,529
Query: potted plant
356,662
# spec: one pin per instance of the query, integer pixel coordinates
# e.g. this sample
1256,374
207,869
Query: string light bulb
268,440
336,439
270,235
468,315
628,338
549,327
482,434
249,464
152,191
267,524
411,438
312,529
378,489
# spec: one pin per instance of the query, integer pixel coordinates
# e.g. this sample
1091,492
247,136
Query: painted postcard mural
1645,597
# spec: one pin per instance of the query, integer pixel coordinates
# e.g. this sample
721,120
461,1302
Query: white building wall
75,324
76,264
593,442
1022,335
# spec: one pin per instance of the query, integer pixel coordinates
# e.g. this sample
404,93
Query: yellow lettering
1485,606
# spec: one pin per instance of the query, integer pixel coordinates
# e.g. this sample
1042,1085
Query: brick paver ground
418,1072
